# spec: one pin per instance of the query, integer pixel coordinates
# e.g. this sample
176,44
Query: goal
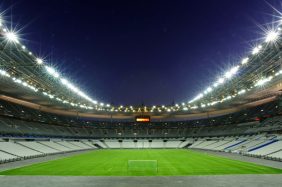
142,167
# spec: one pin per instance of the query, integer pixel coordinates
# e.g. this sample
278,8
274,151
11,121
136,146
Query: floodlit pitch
150,162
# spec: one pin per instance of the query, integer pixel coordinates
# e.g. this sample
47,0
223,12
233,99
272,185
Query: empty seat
17,149
6,157
56,146
39,147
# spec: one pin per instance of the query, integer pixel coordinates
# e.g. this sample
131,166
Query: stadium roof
255,80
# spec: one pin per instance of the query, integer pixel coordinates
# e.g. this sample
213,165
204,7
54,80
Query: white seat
17,149
39,147
5,156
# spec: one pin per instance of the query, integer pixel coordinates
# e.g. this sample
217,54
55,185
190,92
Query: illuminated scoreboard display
142,119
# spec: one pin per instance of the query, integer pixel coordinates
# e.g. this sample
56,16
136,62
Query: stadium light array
263,81
271,36
78,91
197,98
12,37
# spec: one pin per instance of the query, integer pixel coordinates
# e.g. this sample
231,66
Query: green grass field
115,163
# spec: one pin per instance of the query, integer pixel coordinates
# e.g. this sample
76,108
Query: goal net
142,167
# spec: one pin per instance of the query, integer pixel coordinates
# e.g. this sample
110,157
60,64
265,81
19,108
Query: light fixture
271,36
52,72
256,50
263,81
39,61
11,37
220,80
245,61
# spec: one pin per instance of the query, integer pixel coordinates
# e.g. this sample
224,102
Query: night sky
133,52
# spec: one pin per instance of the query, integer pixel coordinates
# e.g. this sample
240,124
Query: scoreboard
142,119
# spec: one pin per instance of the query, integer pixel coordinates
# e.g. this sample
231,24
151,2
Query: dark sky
151,51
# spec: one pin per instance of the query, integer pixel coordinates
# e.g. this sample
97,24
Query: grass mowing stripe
171,162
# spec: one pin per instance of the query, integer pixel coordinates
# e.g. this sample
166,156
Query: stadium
54,133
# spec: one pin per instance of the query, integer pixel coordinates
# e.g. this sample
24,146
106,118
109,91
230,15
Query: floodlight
231,72
263,81
39,61
11,37
220,80
209,89
64,81
4,73
245,60
256,50
271,36
52,71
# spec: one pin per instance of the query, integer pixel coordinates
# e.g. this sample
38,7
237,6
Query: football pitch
147,162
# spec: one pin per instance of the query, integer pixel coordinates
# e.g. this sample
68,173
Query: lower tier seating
265,146
20,149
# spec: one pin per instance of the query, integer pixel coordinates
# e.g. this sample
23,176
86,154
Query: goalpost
140,167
